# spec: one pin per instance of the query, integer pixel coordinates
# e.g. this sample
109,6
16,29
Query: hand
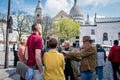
65,52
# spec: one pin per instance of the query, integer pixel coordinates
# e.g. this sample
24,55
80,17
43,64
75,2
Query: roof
39,5
75,10
107,20
61,13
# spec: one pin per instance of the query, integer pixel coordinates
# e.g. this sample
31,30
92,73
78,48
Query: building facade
104,31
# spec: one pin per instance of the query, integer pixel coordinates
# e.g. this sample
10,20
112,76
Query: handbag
21,69
24,70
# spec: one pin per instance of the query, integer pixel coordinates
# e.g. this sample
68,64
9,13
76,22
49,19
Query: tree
22,23
66,28
3,23
46,27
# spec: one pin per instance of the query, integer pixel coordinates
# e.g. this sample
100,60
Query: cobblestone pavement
108,73
107,68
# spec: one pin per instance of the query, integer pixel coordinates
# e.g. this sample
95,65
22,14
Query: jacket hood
117,48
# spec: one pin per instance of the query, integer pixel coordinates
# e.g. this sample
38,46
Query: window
93,41
77,37
105,37
38,15
61,16
92,32
77,42
119,36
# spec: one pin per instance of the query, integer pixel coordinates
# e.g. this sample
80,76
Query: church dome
75,10
76,13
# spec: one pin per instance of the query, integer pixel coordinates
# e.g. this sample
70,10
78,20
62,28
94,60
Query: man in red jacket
114,57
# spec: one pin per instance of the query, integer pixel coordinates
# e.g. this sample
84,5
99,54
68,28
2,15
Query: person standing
68,67
75,63
34,50
88,55
114,57
21,51
54,62
15,51
101,59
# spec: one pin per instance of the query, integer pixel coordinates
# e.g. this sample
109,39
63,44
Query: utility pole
6,64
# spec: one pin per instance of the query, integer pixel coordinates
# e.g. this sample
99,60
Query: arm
25,57
83,53
20,54
110,54
38,59
104,55
63,62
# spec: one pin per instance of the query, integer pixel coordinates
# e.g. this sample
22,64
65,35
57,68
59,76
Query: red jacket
114,54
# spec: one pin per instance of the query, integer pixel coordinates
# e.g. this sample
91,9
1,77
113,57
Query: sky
103,8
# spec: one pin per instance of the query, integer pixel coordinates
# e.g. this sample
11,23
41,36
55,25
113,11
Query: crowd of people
65,62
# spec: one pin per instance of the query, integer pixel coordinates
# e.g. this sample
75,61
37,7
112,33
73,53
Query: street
107,68
2,59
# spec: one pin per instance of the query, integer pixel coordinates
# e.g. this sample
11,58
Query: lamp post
6,64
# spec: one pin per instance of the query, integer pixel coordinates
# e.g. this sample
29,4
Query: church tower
38,18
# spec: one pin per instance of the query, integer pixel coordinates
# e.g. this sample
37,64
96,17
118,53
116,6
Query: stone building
103,31
75,14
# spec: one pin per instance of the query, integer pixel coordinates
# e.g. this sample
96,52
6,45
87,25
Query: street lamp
6,64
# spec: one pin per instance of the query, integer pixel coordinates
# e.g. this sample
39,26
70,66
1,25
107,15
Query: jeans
29,74
99,71
37,75
87,75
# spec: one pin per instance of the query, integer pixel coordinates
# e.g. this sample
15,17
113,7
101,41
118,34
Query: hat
86,38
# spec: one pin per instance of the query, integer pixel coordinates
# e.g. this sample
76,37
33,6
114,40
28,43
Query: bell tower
38,18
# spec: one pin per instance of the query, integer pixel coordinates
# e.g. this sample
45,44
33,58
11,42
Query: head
98,46
52,43
66,44
74,45
116,42
37,28
87,40
23,41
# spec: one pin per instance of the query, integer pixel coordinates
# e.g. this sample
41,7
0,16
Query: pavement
10,73
5,73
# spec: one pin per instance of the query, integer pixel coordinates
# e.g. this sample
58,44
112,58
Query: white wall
112,29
